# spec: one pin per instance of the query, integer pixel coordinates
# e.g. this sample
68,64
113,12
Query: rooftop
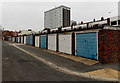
57,7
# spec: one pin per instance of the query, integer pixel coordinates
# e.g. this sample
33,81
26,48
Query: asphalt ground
19,66
67,63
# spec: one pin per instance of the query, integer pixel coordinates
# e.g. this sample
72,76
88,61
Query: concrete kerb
66,70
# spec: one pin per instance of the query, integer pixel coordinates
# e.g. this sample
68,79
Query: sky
30,15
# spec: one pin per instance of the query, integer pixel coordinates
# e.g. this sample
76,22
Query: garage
32,40
13,39
27,39
65,43
43,41
16,39
87,45
19,39
37,40
24,39
52,42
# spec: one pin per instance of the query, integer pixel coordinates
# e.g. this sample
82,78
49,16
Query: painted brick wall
108,46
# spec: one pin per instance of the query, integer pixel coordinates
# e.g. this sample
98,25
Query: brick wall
10,33
108,46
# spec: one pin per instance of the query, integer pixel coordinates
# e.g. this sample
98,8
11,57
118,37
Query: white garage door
37,41
52,42
24,39
65,41
13,39
21,39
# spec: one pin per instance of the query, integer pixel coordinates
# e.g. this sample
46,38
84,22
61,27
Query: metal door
65,43
24,39
13,39
28,40
36,41
86,45
31,40
21,39
52,42
43,41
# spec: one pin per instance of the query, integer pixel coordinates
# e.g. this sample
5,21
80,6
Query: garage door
10,38
36,41
24,39
31,40
43,41
52,42
13,39
18,39
27,40
65,41
86,45
21,39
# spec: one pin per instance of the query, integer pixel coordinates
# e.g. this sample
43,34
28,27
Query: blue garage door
43,41
86,45
27,40
31,40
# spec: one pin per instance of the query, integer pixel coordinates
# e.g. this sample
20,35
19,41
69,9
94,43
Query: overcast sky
24,15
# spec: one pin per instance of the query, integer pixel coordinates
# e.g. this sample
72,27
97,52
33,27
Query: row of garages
98,44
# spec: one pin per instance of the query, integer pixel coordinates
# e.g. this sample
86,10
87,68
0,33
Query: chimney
108,21
48,30
59,29
81,22
102,18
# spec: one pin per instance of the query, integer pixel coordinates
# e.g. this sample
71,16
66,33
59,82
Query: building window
114,23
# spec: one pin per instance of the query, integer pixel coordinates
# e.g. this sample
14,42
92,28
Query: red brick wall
108,46
10,33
